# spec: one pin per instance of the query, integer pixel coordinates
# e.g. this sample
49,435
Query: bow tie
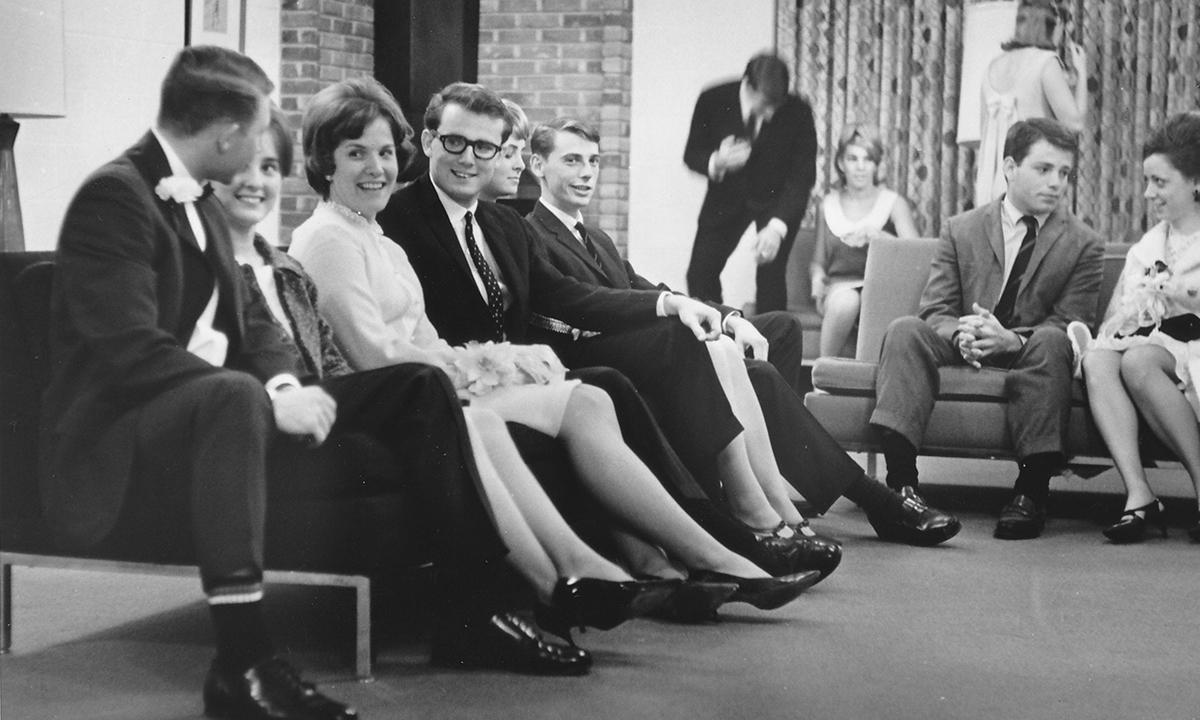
179,188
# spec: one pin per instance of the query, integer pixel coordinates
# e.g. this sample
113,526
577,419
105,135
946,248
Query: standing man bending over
757,145
1007,279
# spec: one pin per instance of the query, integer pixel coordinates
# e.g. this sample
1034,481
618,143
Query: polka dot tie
490,284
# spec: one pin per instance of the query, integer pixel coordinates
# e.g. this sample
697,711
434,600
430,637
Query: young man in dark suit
756,144
1006,280
566,160
167,383
484,279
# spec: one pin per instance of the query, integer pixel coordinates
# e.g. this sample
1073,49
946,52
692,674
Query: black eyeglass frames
457,145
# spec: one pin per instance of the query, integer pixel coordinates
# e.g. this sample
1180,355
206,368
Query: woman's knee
590,404
1144,362
843,302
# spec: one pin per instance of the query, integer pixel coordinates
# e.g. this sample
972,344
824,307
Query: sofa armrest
897,269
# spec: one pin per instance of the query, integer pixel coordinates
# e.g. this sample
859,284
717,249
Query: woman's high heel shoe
1131,527
763,593
602,604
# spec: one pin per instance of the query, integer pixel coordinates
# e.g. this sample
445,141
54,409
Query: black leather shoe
505,642
269,690
763,593
814,551
1021,519
601,604
917,524
695,602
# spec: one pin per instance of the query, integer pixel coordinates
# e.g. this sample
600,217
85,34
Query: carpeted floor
1061,627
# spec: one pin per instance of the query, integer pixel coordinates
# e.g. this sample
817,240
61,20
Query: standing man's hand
730,156
768,241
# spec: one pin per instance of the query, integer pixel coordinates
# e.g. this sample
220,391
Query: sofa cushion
843,376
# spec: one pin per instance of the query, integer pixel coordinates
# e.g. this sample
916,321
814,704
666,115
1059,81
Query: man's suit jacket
417,221
780,173
130,282
1059,285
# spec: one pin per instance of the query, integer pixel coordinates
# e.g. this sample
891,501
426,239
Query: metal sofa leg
362,640
5,608
873,465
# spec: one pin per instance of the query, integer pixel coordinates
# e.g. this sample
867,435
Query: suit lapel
513,274
438,224
564,237
221,261
994,281
148,156
1047,236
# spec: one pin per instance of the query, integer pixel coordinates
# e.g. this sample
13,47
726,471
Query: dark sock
242,637
1034,478
901,458
875,499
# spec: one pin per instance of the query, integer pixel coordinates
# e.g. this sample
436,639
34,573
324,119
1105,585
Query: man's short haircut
343,111
1179,140
542,142
865,138
517,120
768,74
206,84
1024,133
281,133
471,97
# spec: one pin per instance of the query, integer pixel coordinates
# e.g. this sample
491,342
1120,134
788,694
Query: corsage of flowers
1146,301
479,368
180,188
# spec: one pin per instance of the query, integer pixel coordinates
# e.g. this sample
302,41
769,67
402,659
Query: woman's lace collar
351,216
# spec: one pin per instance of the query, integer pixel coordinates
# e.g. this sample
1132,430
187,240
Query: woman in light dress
856,212
1028,80
1146,358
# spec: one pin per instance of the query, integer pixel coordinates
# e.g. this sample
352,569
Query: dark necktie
490,284
591,247
1008,298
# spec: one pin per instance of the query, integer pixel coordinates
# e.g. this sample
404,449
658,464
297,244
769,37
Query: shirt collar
563,217
454,210
1013,215
743,102
173,159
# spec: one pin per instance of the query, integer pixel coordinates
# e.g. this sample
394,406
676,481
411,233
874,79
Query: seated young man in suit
1007,278
566,160
484,278
167,384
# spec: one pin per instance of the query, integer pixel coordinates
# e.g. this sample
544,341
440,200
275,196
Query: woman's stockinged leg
1149,373
627,488
731,371
1116,418
841,312
542,547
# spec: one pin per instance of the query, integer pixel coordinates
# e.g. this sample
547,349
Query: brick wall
568,57
323,41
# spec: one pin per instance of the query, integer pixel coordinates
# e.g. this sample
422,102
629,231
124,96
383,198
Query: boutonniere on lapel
178,188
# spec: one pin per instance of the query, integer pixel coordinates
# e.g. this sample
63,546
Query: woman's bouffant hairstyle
206,84
1053,15
865,138
1179,141
281,133
343,111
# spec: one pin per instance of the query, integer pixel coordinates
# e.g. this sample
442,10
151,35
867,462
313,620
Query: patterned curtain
895,65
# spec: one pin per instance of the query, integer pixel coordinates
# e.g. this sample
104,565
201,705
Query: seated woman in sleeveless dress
857,211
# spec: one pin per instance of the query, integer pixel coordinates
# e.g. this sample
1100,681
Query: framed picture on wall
215,22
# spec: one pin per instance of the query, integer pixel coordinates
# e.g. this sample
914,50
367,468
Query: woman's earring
1196,194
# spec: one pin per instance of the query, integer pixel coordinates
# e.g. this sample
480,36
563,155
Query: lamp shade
31,55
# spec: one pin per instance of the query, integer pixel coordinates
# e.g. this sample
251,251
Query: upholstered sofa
969,417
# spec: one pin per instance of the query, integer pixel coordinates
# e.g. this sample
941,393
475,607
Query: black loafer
1021,519
917,523
269,690
505,642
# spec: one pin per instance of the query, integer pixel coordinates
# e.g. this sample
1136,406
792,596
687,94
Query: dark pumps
601,604
1131,527
763,593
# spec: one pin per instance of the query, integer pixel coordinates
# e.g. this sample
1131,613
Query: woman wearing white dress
1027,81
1146,358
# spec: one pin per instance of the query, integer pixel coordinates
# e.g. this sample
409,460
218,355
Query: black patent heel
1131,527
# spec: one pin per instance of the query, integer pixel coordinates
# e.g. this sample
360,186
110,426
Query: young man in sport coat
1006,280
